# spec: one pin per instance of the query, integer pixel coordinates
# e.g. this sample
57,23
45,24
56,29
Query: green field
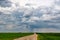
48,36
41,36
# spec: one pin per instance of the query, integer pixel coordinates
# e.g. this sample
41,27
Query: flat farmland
41,36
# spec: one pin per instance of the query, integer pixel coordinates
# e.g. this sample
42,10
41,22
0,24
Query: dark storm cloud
5,3
22,19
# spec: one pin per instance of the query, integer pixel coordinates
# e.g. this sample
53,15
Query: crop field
41,36
48,36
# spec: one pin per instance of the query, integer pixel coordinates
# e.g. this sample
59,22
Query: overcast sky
29,15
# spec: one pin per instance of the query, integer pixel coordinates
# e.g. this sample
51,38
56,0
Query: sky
29,15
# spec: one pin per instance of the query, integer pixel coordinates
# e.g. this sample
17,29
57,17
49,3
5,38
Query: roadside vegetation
41,36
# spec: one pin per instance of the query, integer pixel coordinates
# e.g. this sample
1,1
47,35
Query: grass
11,36
41,36
48,36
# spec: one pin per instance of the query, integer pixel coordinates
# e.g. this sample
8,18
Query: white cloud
34,3
28,12
47,17
46,30
57,7
8,10
9,26
22,28
24,19
2,22
33,19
